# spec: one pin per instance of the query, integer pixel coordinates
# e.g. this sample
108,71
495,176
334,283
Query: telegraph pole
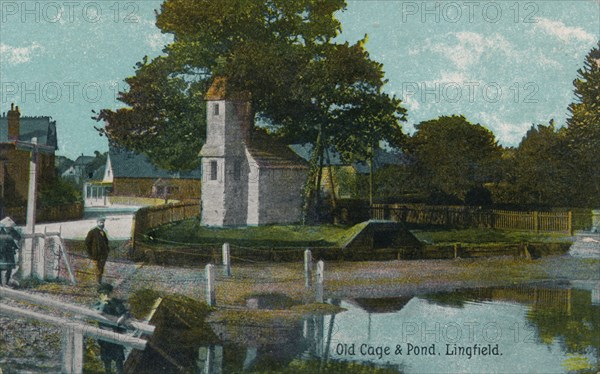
32,262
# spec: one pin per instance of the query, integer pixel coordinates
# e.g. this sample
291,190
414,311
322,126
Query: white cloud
467,49
563,32
507,133
18,55
411,103
157,41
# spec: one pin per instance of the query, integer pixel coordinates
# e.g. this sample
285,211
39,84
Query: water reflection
549,329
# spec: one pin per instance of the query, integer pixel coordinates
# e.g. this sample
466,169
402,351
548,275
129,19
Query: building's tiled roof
84,160
220,90
272,154
333,158
127,164
30,127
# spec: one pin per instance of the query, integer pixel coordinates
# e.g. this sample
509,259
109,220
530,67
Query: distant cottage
128,176
248,177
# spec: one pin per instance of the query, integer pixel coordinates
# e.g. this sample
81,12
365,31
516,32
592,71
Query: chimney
13,122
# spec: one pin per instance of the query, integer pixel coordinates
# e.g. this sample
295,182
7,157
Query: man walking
96,244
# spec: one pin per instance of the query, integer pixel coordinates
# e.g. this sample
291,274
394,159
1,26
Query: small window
216,109
237,170
213,170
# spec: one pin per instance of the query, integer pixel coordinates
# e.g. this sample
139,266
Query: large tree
454,156
540,171
583,131
304,85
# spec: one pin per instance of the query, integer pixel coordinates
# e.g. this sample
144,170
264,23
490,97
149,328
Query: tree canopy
453,155
302,82
583,130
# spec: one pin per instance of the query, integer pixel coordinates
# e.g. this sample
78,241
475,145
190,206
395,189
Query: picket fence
459,216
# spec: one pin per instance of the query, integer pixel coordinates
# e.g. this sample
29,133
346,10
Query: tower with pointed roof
248,178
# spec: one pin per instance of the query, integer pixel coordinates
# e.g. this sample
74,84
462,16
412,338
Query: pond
546,328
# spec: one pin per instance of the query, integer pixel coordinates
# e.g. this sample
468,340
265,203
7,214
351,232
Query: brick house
14,163
248,177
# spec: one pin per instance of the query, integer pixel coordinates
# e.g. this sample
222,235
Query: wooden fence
150,217
459,216
57,213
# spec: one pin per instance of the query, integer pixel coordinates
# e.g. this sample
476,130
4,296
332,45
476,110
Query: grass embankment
487,236
191,231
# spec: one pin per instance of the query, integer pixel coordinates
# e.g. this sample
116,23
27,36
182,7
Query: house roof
29,127
220,90
270,153
334,158
128,164
84,160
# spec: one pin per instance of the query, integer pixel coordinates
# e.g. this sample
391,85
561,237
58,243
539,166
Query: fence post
320,278
570,223
210,285
72,360
226,260
457,250
536,221
307,268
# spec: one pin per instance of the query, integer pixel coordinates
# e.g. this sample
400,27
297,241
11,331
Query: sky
503,64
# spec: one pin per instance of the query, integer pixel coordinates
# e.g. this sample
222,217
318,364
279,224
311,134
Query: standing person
8,250
96,244
110,306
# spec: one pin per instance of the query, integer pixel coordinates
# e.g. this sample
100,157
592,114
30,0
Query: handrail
90,313
96,332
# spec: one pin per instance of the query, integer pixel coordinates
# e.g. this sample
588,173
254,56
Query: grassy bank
484,236
190,231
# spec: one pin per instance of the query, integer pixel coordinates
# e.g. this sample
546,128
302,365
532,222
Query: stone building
14,162
248,177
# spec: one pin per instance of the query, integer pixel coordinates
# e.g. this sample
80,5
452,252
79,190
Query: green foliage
281,52
453,155
58,192
539,172
582,134
164,119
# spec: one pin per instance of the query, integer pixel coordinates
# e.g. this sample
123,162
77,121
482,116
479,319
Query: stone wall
212,193
280,196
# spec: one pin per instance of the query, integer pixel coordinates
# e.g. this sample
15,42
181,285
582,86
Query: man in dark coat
8,250
110,352
96,244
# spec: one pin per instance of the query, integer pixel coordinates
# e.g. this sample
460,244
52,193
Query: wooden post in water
210,285
307,268
226,260
320,279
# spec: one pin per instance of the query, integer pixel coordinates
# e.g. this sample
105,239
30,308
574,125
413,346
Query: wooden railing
74,329
150,217
459,216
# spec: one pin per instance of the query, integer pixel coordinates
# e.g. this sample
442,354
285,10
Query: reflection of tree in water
576,329
566,316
